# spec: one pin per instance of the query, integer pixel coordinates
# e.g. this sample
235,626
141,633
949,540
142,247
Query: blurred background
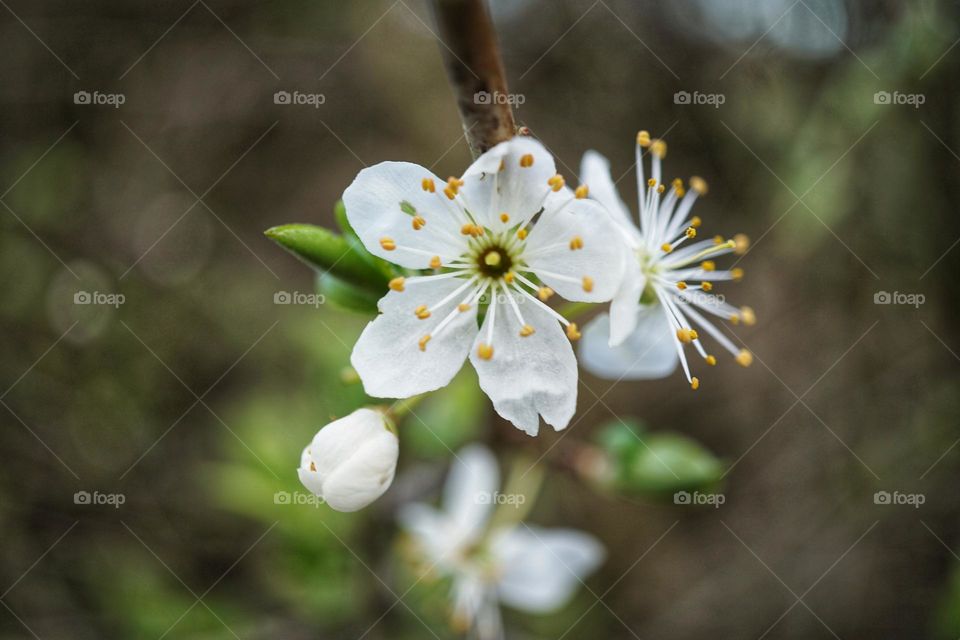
146,363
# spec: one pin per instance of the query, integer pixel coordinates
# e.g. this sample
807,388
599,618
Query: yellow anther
428,185
388,243
572,332
556,182
651,183
736,273
526,160
463,306
741,244
706,286
708,265
397,284
544,293
587,284
719,239
681,285
509,277
666,248
576,242
422,312
711,361
526,331
690,232
744,358
680,192
581,192
522,234
471,230
661,188
677,183
694,335
694,383
685,336
659,148
492,259
504,217
643,138
699,185
454,183
748,316
418,223
423,342
485,351
695,221
450,193
735,319
435,262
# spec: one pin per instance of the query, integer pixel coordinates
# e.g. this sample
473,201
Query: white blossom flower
483,240
351,461
667,290
528,568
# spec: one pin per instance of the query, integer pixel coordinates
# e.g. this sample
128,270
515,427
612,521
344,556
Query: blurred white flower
351,461
477,234
667,286
528,568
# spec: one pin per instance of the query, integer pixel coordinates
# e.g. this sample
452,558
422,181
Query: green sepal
345,295
327,251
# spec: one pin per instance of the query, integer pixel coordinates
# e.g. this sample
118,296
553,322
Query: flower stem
472,59
574,310
399,409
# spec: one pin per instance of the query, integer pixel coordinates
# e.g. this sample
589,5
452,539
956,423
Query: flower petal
387,356
381,203
517,189
595,174
647,353
543,568
468,493
528,375
599,256
624,308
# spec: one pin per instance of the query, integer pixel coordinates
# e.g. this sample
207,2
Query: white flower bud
351,461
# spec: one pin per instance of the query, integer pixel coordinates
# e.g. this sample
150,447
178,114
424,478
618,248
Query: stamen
712,361
388,243
522,234
699,185
691,232
708,265
423,342
666,248
418,223
681,285
435,262
572,332
556,182
428,185
686,336
744,358
581,192
526,160
485,351
741,244
397,283
659,149
695,221
736,273
526,331
422,312
706,286
587,284
748,316
694,383
576,243
508,277
544,293
504,217
643,139
462,307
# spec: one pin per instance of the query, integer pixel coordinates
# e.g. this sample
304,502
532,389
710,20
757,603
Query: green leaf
345,295
328,251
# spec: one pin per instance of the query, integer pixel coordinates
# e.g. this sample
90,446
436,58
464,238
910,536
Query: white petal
373,204
468,493
431,529
517,191
387,355
624,308
543,568
601,259
595,173
527,376
646,354
312,480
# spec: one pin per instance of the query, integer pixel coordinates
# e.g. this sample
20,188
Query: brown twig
472,59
